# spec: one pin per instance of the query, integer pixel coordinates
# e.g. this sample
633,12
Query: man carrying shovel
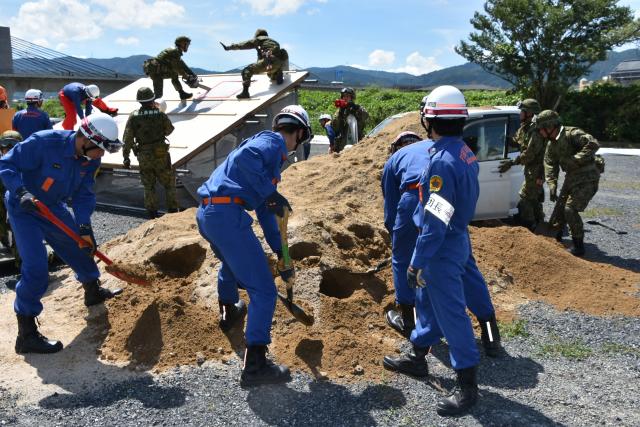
55,167
247,181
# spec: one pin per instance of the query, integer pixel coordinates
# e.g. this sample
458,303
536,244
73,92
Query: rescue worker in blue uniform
442,260
54,167
247,180
31,119
400,178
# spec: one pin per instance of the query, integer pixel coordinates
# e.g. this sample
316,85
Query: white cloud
279,7
124,14
313,11
54,21
381,58
127,41
417,64
61,47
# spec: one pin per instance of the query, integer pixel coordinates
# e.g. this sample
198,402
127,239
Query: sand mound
336,230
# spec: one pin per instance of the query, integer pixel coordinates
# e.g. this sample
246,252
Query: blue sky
415,36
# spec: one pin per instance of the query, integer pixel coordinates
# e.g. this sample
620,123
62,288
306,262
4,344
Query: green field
381,103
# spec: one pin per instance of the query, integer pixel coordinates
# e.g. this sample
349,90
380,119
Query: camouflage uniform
341,126
145,134
575,152
532,149
272,59
167,65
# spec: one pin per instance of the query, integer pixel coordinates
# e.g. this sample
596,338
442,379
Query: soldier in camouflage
574,151
8,139
145,135
272,59
169,65
340,123
532,147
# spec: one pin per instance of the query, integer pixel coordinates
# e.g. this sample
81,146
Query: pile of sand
336,229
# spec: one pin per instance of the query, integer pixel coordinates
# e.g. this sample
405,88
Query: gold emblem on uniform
435,184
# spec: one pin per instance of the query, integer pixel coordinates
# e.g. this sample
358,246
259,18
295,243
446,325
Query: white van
489,133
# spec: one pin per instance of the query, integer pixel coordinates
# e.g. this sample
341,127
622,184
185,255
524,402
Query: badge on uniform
435,184
57,166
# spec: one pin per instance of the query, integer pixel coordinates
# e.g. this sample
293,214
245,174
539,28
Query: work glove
126,163
276,203
553,192
225,47
505,165
413,278
285,273
27,200
86,232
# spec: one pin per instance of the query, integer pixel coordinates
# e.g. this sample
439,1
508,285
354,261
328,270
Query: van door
487,137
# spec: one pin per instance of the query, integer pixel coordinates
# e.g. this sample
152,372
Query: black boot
245,92
260,370
463,397
402,321
490,336
578,246
30,340
413,363
152,214
95,294
185,95
279,78
231,314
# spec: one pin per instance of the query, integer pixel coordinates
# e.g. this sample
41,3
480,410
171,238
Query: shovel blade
298,313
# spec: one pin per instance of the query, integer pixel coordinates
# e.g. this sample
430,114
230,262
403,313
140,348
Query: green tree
543,47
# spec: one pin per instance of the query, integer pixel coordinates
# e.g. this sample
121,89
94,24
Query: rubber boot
231,314
260,370
245,92
463,396
490,336
30,340
185,95
403,321
413,363
95,294
578,246
152,214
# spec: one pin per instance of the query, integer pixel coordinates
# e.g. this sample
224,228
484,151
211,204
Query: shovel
45,212
381,265
595,222
294,309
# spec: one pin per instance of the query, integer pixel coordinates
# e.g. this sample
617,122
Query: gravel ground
561,368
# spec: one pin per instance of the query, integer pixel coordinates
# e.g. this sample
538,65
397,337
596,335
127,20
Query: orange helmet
3,95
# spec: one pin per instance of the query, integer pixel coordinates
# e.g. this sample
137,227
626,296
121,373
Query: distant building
627,72
584,83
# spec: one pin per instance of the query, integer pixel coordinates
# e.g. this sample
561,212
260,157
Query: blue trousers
30,230
440,308
403,242
243,263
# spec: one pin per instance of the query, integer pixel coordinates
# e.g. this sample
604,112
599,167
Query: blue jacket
331,134
30,120
449,191
403,169
77,94
251,172
47,166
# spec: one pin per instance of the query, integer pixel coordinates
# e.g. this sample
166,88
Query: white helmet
33,95
92,91
161,104
324,117
102,130
445,102
297,115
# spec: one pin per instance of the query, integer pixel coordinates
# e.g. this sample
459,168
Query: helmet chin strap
85,150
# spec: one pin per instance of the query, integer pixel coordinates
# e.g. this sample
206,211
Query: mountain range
466,76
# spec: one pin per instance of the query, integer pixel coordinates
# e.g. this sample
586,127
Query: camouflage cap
145,94
546,119
261,32
9,138
529,105
182,39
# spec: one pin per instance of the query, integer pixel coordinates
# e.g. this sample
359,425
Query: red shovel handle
46,212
